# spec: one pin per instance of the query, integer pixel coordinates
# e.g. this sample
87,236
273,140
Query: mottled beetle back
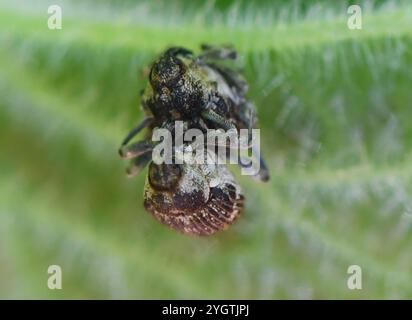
206,199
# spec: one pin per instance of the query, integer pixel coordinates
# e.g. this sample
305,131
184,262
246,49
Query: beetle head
167,71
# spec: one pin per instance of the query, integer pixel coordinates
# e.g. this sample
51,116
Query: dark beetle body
201,200
183,85
197,199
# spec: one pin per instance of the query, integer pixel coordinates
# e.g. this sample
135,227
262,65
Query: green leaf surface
335,113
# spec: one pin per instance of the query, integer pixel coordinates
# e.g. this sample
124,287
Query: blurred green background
335,110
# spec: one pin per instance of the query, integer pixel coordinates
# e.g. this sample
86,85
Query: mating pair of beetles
204,93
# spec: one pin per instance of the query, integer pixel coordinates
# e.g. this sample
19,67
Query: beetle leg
136,149
138,164
175,51
217,119
232,77
263,174
217,52
252,117
146,122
